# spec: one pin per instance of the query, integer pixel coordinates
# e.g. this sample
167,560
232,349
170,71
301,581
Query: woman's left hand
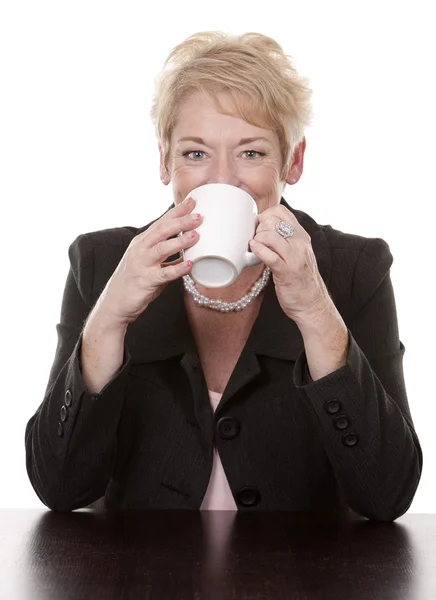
299,286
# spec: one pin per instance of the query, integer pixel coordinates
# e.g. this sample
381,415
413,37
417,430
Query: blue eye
253,152
199,154
195,152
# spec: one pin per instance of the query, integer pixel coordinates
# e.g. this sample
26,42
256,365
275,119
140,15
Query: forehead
198,111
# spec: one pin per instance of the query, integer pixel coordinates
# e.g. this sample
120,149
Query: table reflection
208,554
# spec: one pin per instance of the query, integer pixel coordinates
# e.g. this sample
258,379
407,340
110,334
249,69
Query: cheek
265,187
265,179
184,180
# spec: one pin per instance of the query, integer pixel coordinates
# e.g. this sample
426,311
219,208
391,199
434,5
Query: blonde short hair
252,68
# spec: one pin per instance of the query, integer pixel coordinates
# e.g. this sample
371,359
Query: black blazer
285,442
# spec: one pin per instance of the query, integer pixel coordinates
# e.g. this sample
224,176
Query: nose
225,171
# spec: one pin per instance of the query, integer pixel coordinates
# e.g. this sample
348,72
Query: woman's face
209,147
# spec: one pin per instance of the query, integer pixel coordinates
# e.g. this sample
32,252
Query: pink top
218,494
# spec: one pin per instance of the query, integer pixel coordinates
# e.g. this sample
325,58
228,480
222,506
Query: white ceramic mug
229,221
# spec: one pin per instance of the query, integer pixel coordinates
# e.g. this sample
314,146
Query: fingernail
187,200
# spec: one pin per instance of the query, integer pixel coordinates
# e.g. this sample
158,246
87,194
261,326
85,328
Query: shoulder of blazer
340,240
364,261
358,264
115,236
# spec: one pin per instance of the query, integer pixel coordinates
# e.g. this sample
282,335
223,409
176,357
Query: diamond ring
284,229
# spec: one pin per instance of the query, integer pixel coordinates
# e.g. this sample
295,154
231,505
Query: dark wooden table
158,555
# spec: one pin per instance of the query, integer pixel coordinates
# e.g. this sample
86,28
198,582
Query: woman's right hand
140,276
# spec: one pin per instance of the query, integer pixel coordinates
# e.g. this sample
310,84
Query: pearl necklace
220,305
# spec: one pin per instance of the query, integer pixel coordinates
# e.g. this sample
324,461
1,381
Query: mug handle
250,258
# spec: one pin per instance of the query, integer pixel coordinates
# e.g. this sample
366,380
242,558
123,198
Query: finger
171,272
274,241
270,216
267,256
183,208
166,229
179,210
163,249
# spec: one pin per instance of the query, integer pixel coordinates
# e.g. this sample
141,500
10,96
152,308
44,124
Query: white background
78,153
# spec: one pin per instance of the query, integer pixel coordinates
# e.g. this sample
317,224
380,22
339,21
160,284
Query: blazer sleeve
71,440
360,411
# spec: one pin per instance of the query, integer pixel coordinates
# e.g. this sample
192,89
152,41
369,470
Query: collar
162,331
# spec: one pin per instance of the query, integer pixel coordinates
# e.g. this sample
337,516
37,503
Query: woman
294,402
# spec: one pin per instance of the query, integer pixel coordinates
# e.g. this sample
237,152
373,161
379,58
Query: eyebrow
243,141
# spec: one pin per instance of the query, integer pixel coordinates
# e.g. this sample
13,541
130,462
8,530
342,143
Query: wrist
324,327
316,317
103,322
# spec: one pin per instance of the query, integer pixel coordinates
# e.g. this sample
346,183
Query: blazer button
228,428
350,439
248,496
60,430
341,422
333,406
64,414
68,398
